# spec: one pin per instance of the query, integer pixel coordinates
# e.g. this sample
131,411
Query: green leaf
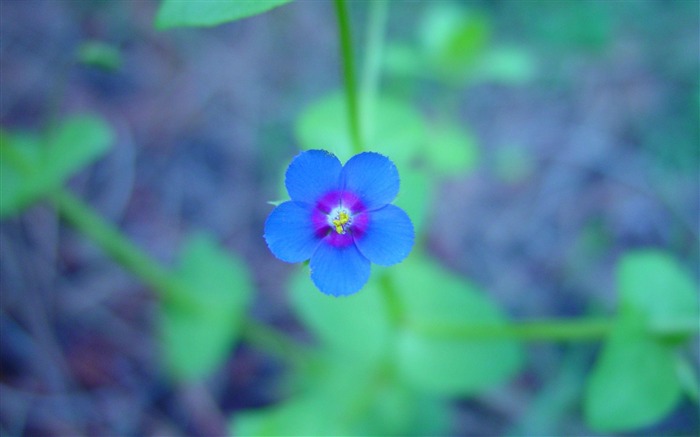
342,398
30,169
75,144
452,150
417,190
355,326
652,283
452,39
197,337
100,54
505,65
634,382
403,60
190,13
396,129
18,157
432,354
323,407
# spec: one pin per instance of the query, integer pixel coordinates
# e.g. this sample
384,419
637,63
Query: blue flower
340,217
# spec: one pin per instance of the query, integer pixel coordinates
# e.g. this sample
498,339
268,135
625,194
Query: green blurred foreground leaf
431,359
382,369
355,327
100,54
451,149
636,380
344,398
31,168
198,337
396,130
426,357
203,13
652,283
453,38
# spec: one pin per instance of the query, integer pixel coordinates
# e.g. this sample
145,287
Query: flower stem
109,239
349,74
275,342
545,330
566,330
160,279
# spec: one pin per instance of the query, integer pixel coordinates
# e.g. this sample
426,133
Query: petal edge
372,177
289,232
389,236
339,271
311,174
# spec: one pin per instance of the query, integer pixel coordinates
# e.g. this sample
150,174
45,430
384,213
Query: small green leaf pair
398,130
637,379
32,167
383,355
200,326
181,13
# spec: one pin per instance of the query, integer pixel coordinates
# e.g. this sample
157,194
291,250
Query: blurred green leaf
453,38
30,168
403,60
217,286
634,382
396,129
557,398
568,26
415,195
652,283
18,158
344,398
299,416
188,13
450,150
77,142
505,65
332,402
431,359
100,54
399,410
688,377
355,326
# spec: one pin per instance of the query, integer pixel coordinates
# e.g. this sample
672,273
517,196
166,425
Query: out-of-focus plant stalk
114,244
582,329
349,74
275,342
160,279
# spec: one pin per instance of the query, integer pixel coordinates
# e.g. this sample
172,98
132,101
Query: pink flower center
339,218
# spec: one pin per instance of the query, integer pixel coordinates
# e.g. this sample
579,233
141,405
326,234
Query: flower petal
311,175
339,271
389,236
372,177
289,232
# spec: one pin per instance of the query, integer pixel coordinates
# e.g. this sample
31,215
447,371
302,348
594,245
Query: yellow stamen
341,221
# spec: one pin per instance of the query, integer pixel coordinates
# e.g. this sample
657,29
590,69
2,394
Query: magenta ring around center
357,210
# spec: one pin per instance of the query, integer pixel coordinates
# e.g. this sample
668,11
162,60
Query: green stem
584,329
372,64
275,342
109,239
349,74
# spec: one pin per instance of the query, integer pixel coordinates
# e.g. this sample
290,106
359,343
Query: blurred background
577,137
